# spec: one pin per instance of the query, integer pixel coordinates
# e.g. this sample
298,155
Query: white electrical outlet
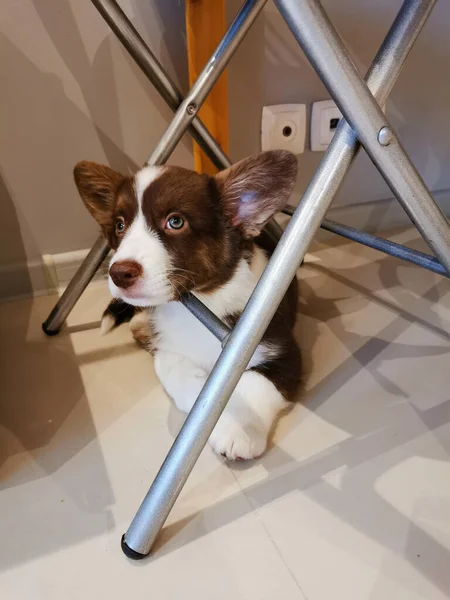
283,127
325,118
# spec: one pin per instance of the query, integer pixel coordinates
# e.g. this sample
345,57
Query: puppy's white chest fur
179,332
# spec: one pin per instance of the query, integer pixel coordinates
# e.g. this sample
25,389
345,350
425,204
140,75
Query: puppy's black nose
125,273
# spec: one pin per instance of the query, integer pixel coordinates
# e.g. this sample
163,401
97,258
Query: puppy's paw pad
236,443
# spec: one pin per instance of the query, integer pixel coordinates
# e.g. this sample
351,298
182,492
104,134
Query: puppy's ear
97,185
255,188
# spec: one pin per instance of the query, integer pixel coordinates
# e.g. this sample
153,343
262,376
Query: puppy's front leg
243,428
181,379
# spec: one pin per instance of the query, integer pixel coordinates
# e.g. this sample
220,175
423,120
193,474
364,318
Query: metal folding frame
364,123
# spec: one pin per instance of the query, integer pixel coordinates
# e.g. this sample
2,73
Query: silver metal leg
207,317
322,45
398,250
426,261
185,118
76,287
151,67
205,81
263,303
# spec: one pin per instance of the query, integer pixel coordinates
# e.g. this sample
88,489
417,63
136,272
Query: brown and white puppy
175,231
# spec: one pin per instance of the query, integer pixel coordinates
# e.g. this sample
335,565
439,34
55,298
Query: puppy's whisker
182,286
189,277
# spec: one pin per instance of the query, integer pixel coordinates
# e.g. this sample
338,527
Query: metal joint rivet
191,109
385,136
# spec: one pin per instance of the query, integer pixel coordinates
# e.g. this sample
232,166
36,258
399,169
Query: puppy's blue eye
175,222
120,226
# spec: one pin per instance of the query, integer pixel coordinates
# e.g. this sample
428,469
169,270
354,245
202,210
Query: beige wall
69,91
419,106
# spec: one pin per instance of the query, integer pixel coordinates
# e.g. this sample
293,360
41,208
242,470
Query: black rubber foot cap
129,552
49,331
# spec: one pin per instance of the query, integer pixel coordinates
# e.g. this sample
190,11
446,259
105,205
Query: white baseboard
54,271
40,277
60,268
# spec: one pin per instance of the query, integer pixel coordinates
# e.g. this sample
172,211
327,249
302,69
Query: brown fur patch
221,216
107,195
141,329
285,370
206,251
255,188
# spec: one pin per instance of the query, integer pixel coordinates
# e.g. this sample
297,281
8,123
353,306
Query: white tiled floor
352,501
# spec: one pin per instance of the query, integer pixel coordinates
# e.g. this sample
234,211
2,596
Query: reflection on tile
351,501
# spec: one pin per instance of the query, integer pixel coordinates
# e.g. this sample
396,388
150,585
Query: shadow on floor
376,429
46,422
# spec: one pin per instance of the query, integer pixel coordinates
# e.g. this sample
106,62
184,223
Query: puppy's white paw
236,441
